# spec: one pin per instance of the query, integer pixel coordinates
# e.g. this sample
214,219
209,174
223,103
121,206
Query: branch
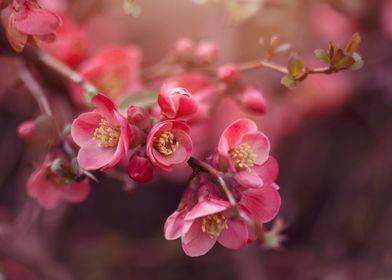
36,90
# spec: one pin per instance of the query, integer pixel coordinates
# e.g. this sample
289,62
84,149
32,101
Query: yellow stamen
106,134
243,156
214,224
165,143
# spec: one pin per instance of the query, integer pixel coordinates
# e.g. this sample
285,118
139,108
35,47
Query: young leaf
353,43
295,66
288,82
322,55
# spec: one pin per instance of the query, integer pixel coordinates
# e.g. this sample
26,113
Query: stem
36,90
262,64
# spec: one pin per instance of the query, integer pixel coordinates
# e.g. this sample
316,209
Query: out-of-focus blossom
169,144
114,71
330,24
140,169
385,17
57,6
26,22
228,73
245,149
70,45
177,103
206,52
139,117
251,99
49,187
184,48
103,135
27,130
202,90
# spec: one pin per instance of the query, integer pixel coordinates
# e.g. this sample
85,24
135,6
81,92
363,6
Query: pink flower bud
177,103
228,73
27,130
206,52
140,169
184,47
253,100
139,117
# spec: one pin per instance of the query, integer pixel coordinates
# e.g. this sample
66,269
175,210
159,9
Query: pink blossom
139,117
26,22
114,71
176,103
202,90
184,48
228,73
103,135
49,188
206,52
70,45
251,99
245,150
169,144
140,169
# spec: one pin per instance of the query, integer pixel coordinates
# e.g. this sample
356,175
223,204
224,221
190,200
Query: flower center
106,134
214,224
58,181
243,156
165,143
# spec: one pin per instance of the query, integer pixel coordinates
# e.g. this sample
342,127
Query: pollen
106,134
243,156
214,224
166,143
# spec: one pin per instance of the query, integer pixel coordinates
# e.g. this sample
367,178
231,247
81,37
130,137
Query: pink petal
83,127
236,236
207,207
43,190
105,107
166,102
77,191
232,135
91,156
34,21
173,225
248,178
261,203
268,171
195,242
260,145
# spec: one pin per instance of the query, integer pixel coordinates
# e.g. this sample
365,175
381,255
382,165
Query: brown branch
36,90
262,64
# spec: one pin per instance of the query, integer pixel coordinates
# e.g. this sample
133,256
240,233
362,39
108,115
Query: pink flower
168,144
139,117
206,52
27,130
140,169
252,99
25,21
114,71
245,150
202,90
228,73
49,188
70,45
184,48
103,135
176,103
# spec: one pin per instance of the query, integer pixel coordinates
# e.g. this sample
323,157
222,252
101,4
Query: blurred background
332,136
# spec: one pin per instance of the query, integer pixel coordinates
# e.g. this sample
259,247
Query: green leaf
322,55
145,98
288,82
295,66
353,43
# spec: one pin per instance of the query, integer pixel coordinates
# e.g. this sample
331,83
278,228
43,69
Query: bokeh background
332,137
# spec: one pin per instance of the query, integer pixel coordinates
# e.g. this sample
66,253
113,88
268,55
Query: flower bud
252,100
139,117
140,169
184,47
228,73
177,103
27,130
206,52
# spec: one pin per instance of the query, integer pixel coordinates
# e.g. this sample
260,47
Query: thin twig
36,90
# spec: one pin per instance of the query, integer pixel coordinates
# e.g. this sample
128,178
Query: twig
262,64
36,90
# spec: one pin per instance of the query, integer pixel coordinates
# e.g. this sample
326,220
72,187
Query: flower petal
173,225
236,236
260,145
197,242
83,127
91,156
77,191
207,207
35,21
